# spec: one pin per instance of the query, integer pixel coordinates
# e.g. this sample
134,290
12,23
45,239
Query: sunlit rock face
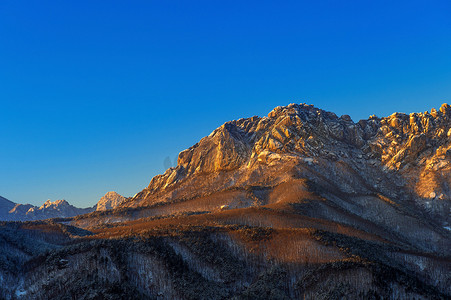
417,147
109,201
401,156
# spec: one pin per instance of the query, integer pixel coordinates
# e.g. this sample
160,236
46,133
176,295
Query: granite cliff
403,157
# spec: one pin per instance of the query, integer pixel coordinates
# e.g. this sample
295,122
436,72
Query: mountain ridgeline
10,211
404,157
301,204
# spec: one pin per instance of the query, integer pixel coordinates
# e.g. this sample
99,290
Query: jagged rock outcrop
296,130
109,201
417,147
411,151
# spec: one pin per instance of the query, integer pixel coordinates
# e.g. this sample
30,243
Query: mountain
300,204
109,201
10,211
401,158
55,209
28,212
5,207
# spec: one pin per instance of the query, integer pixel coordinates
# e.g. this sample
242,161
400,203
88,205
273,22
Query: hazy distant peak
56,203
24,212
109,201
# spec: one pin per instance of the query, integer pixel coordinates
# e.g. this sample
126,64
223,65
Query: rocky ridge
394,155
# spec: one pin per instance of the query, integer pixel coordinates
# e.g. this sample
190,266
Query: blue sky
94,95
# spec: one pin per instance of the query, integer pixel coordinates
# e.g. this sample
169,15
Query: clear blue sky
94,95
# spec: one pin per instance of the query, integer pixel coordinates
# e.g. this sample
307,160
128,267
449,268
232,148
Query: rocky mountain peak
297,128
401,138
57,203
402,151
109,201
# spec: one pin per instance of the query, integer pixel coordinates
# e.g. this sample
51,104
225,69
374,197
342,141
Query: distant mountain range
10,211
